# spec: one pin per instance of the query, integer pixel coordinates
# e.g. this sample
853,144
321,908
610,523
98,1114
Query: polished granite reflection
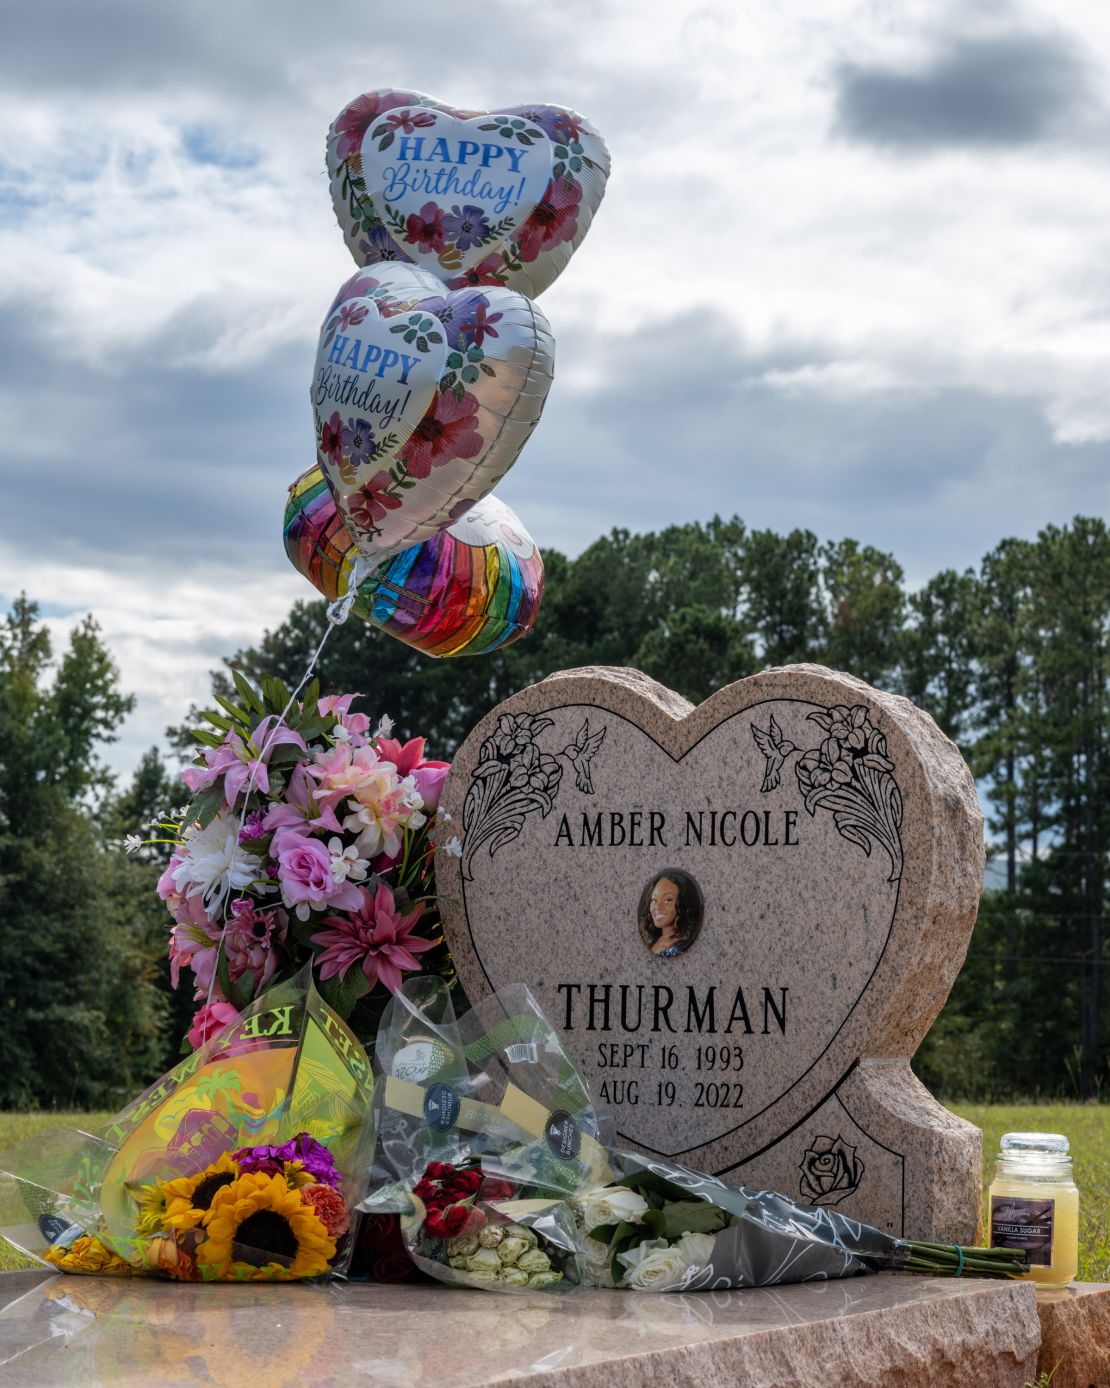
58,1330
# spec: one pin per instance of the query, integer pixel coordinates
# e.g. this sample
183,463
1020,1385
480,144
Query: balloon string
337,613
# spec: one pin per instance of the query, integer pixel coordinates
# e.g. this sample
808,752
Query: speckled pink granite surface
897,1332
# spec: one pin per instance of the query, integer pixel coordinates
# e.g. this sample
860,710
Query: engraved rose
830,1171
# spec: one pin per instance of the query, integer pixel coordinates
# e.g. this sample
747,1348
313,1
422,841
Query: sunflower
189,1197
153,1202
296,1177
260,1230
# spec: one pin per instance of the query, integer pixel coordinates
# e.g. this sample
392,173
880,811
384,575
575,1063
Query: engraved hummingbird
775,748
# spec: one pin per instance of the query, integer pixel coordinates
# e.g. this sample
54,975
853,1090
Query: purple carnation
252,827
312,1155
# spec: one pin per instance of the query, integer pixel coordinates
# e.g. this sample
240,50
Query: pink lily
238,761
301,812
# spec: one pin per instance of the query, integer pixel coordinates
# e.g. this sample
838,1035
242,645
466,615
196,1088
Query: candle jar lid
1035,1144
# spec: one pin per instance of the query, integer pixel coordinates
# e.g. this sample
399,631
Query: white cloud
760,298
166,631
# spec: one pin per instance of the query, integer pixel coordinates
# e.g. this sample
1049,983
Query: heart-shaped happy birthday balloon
469,589
423,398
476,197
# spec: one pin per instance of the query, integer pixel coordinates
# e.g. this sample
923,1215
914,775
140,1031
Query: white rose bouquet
490,1146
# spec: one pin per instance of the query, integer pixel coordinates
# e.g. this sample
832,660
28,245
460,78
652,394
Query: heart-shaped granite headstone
724,909
423,398
476,197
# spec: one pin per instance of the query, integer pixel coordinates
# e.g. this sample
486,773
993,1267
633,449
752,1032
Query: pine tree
81,1021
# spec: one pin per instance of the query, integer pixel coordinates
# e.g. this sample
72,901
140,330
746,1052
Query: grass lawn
1087,1125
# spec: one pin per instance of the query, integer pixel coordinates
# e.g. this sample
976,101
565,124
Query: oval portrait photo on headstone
669,913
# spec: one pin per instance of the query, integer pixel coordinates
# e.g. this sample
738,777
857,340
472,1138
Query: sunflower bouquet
241,1164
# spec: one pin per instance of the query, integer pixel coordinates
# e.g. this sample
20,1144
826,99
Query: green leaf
342,994
386,141
488,369
558,170
238,993
224,724
311,728
690,1217
206,805
247,692
234,711
286,754
207,738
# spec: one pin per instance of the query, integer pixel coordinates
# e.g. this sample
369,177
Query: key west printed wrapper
287,1066
494,1153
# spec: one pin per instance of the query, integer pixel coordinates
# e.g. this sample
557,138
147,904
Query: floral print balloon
422,399
501,198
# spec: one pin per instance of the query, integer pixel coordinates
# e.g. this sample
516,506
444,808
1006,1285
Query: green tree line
1009,657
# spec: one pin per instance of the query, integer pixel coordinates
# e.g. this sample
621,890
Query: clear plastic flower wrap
243,1163
504,1174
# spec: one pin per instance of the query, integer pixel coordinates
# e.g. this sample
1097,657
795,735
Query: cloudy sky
851,273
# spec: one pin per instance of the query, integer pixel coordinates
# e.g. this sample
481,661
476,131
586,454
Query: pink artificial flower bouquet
307,838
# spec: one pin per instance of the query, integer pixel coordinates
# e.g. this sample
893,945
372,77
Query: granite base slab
892,1330
1075,1335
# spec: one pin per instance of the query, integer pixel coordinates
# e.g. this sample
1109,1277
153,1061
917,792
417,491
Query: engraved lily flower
515,732
535,771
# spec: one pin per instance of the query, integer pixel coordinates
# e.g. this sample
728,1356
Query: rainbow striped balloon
469,589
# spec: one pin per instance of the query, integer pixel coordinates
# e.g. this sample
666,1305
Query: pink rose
307,881
209,1021
429,780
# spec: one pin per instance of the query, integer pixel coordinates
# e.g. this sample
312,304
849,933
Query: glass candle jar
1034,1204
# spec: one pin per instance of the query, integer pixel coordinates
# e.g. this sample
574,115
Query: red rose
494,1189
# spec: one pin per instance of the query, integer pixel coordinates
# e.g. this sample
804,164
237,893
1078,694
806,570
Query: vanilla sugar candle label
742,918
